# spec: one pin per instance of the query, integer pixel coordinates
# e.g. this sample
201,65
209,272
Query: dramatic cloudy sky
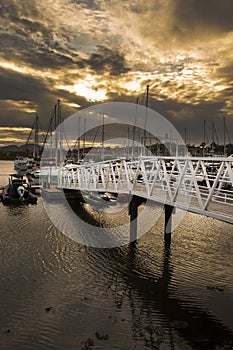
93,51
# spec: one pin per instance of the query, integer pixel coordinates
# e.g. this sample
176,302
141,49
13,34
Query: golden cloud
157,45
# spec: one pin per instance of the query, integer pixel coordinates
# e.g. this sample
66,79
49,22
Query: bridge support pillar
133,213
168,223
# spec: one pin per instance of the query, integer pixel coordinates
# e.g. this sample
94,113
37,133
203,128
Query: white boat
26,164
21,164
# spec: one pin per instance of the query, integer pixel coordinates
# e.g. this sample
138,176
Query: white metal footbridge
200,185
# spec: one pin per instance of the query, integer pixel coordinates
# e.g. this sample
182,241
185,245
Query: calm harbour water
58,294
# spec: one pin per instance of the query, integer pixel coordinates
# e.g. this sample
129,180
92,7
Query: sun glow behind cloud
73,105
28,71
87,88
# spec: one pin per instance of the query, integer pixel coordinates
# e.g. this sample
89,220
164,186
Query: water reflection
151,297
197,327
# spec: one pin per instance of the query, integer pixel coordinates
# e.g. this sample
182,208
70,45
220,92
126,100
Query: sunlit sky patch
74,105
87,52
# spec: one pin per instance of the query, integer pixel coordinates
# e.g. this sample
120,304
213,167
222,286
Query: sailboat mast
224,136
204,143
36,127
147,95
213,139
55,117
147,102
204,132
49,131
84,138
102,155
56,135
58,112
216,135
79,139
134,128
128,146
59,120
213,132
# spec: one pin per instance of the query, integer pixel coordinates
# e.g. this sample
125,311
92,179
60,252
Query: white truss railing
202,185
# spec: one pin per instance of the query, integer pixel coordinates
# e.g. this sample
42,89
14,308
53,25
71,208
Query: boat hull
11,194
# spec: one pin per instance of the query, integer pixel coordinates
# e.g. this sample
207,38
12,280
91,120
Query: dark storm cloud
24,50
31,41
212,14
87,3
13,9
24,87
191,117
107,60
17,87
225,72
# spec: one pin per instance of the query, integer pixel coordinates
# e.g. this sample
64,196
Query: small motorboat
108,196
17,190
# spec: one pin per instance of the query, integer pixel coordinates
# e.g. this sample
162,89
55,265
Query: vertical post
168,222
133,212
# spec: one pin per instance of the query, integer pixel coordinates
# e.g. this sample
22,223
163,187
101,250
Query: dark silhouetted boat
17,191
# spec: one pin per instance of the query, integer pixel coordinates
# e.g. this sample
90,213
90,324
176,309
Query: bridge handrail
177,179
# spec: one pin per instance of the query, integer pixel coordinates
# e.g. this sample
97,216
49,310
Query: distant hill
18,149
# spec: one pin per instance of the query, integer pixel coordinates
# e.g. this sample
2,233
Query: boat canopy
17,176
